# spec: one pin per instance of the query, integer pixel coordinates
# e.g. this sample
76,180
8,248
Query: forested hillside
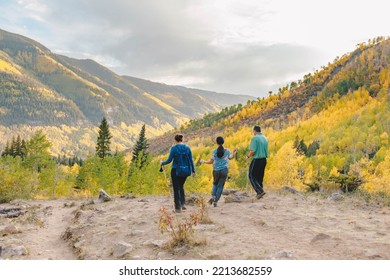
68,97
331,126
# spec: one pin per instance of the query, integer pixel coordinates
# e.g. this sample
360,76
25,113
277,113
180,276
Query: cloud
245,47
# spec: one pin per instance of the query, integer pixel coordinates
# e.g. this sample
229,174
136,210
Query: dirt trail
42,228
47,242
279,226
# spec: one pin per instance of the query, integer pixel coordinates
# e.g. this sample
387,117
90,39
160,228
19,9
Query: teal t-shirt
259,145
220,163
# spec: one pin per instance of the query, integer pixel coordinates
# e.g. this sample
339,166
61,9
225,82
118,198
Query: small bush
181,231
203,215
347,183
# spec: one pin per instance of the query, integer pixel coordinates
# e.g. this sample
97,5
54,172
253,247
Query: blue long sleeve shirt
174,153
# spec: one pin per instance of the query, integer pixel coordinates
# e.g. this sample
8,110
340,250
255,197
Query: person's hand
246,158
235,149
193,174
202,161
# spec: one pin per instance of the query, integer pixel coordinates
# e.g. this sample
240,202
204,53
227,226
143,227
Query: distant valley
67,98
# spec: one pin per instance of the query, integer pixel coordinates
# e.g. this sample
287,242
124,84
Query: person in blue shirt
220,161
259,152
177,181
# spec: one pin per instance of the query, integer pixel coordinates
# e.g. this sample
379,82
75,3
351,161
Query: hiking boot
183,207
215,204
211,200
260,195
177,210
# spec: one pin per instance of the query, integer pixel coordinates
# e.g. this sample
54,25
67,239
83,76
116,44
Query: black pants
256,174
178,189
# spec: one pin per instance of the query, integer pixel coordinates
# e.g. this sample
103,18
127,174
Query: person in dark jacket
178,181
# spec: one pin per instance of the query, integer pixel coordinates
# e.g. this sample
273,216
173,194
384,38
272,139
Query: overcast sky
231,46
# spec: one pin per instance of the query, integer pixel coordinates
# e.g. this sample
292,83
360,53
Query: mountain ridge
304,97
41,89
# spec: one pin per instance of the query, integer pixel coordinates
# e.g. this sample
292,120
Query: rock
137,232
191,200
336,196
69,205
79,244
12,250
282,255
156,243
121,249
11,212
10,230
375,257
289,189
227,192
319,237
237,197
103,196
86,203
163,256
128,196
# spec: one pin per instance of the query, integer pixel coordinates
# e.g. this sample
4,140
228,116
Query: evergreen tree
140,153
23,149
302,148
296,142
103,140
312,149
6,151
18,147
13,147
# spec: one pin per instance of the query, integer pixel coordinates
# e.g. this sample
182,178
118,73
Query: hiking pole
162,169
246,181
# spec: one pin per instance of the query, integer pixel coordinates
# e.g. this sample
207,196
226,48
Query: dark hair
221,149
257,128
179,137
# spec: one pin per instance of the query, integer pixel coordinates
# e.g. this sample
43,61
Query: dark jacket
174,153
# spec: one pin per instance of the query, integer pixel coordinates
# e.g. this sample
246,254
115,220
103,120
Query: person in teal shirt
259,152
220,161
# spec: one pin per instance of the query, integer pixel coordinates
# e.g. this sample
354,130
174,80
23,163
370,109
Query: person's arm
170,158
252,148
210,161
191,161
251,152
231,156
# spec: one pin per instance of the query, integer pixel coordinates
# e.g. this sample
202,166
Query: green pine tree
103,140
140,153
6,151
18,147
13,147
23,149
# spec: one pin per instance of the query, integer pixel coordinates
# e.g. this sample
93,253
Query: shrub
181,231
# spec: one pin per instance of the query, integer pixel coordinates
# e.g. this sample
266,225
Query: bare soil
278,226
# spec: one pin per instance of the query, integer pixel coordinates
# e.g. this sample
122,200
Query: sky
231,46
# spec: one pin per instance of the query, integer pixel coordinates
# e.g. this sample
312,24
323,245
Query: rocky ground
282,225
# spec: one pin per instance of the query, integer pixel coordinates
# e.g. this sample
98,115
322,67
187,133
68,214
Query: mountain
69,97
366,67
327,130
